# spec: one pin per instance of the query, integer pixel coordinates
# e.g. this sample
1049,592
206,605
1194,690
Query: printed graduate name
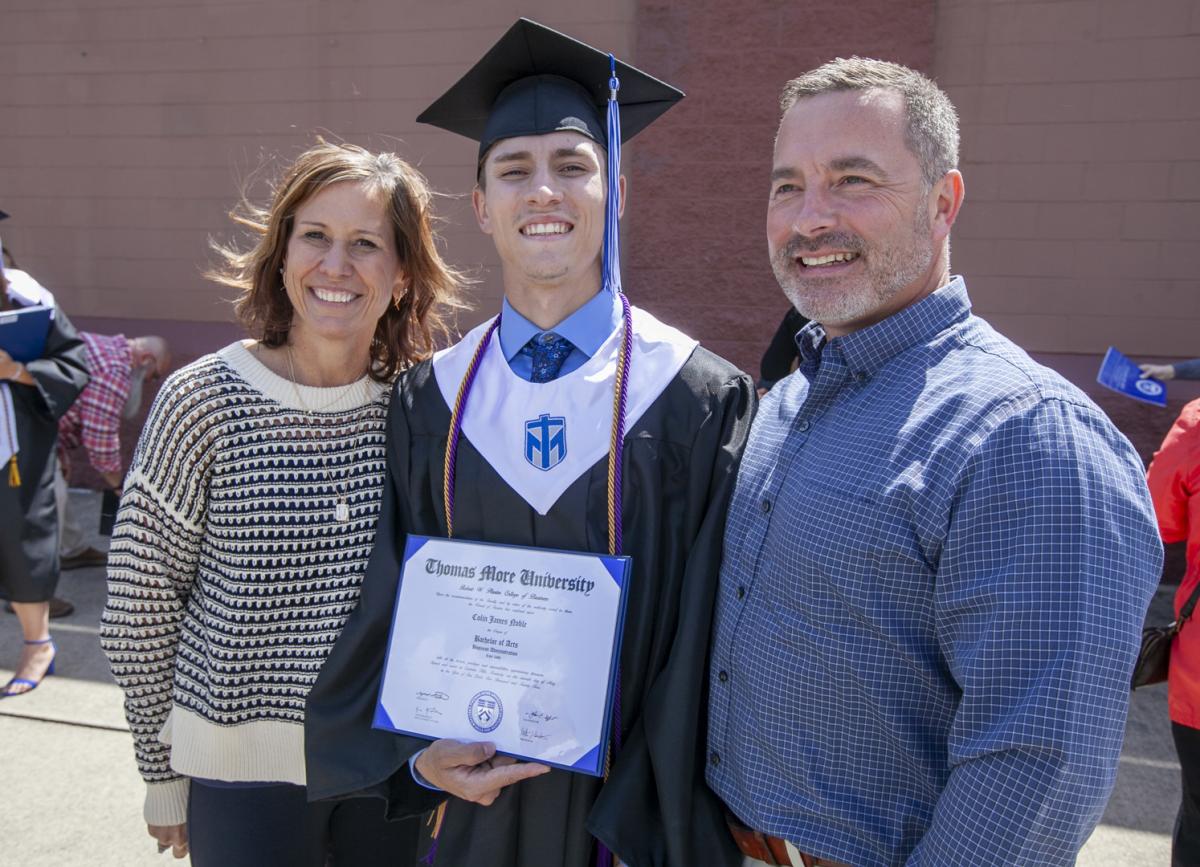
524,577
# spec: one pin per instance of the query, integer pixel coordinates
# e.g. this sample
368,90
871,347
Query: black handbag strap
1186,611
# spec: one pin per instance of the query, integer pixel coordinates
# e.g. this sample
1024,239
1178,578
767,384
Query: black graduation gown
28,516
655,810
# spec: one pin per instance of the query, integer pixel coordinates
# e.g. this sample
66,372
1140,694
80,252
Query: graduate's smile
549,229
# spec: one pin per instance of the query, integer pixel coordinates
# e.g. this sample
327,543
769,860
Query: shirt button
803,425
741,592
723,676
715,758
766,506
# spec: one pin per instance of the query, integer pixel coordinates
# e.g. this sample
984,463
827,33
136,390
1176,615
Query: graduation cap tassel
14,475
612,214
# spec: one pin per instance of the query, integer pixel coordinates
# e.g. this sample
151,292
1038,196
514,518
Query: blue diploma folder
1124,377
23,332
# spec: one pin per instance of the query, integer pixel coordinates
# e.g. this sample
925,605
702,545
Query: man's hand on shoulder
472,771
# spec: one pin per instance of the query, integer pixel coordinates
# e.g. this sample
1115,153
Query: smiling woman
250,509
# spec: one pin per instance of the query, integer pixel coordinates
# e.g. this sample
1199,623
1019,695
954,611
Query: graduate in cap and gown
520,418
34,394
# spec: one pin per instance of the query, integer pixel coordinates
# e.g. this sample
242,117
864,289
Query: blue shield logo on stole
545,441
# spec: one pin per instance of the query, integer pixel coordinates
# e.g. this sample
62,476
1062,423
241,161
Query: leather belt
771,850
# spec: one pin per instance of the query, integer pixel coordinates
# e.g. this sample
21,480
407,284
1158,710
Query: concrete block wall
1081,153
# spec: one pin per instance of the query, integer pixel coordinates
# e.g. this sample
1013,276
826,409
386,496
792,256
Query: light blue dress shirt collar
587,329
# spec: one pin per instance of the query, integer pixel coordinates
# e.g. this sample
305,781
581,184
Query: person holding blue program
1178,370
549,195
34,394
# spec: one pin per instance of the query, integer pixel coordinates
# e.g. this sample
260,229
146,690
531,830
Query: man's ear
479,203
621,193
945,200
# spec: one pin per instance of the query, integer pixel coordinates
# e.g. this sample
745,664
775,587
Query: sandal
24,681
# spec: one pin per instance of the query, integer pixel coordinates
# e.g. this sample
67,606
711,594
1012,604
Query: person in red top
1174,479
119,366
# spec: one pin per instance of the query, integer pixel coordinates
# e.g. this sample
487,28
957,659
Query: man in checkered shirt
939,553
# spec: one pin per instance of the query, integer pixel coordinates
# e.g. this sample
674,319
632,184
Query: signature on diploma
537,715
432,696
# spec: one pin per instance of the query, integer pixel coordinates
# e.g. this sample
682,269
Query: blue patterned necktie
548,352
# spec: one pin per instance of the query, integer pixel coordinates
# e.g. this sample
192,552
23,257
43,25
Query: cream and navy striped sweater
229,575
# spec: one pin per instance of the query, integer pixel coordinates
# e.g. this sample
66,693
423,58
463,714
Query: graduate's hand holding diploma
472,771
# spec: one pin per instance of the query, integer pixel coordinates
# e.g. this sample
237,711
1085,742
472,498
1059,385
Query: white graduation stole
541,437
8,426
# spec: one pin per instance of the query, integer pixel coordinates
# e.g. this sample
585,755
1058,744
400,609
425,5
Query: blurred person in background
120,366
33,396
782,355
250,509
1174,479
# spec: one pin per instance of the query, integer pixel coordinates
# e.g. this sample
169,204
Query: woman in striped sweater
250,509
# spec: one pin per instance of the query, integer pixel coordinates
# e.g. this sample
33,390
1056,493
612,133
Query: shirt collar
587,328
867,350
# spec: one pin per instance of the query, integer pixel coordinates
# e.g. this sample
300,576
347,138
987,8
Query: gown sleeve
61,373
656,808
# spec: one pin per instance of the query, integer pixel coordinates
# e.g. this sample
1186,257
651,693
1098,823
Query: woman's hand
173,837
472,771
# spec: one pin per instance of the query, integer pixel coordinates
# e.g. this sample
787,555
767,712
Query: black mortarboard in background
3,215
536,81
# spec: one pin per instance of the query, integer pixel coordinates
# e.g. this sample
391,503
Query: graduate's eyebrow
522,156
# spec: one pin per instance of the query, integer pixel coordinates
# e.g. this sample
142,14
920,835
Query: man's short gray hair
932,122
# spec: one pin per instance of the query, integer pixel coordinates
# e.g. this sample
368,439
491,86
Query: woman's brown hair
407,332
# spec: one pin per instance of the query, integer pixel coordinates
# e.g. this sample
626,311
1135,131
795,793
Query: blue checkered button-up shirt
937,561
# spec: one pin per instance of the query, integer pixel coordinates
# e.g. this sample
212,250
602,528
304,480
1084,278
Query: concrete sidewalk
70,793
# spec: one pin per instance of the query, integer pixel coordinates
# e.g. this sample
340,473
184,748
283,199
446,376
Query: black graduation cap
535,81
3,215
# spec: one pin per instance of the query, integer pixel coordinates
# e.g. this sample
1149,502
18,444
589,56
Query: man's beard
836,300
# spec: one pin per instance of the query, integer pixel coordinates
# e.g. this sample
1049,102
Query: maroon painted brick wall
695,236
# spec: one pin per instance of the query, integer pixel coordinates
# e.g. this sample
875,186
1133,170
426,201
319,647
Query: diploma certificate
513,645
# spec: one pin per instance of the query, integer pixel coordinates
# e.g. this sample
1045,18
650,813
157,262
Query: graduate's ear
479,203
621,193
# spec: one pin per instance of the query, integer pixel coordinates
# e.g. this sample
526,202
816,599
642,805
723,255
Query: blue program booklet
23,332
1124,377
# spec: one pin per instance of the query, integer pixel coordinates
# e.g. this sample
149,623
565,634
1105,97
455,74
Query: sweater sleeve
152,565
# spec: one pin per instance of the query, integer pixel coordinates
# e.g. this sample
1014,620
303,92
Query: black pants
275,826
1185,848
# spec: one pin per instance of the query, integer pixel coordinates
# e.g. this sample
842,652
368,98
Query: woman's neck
318,363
